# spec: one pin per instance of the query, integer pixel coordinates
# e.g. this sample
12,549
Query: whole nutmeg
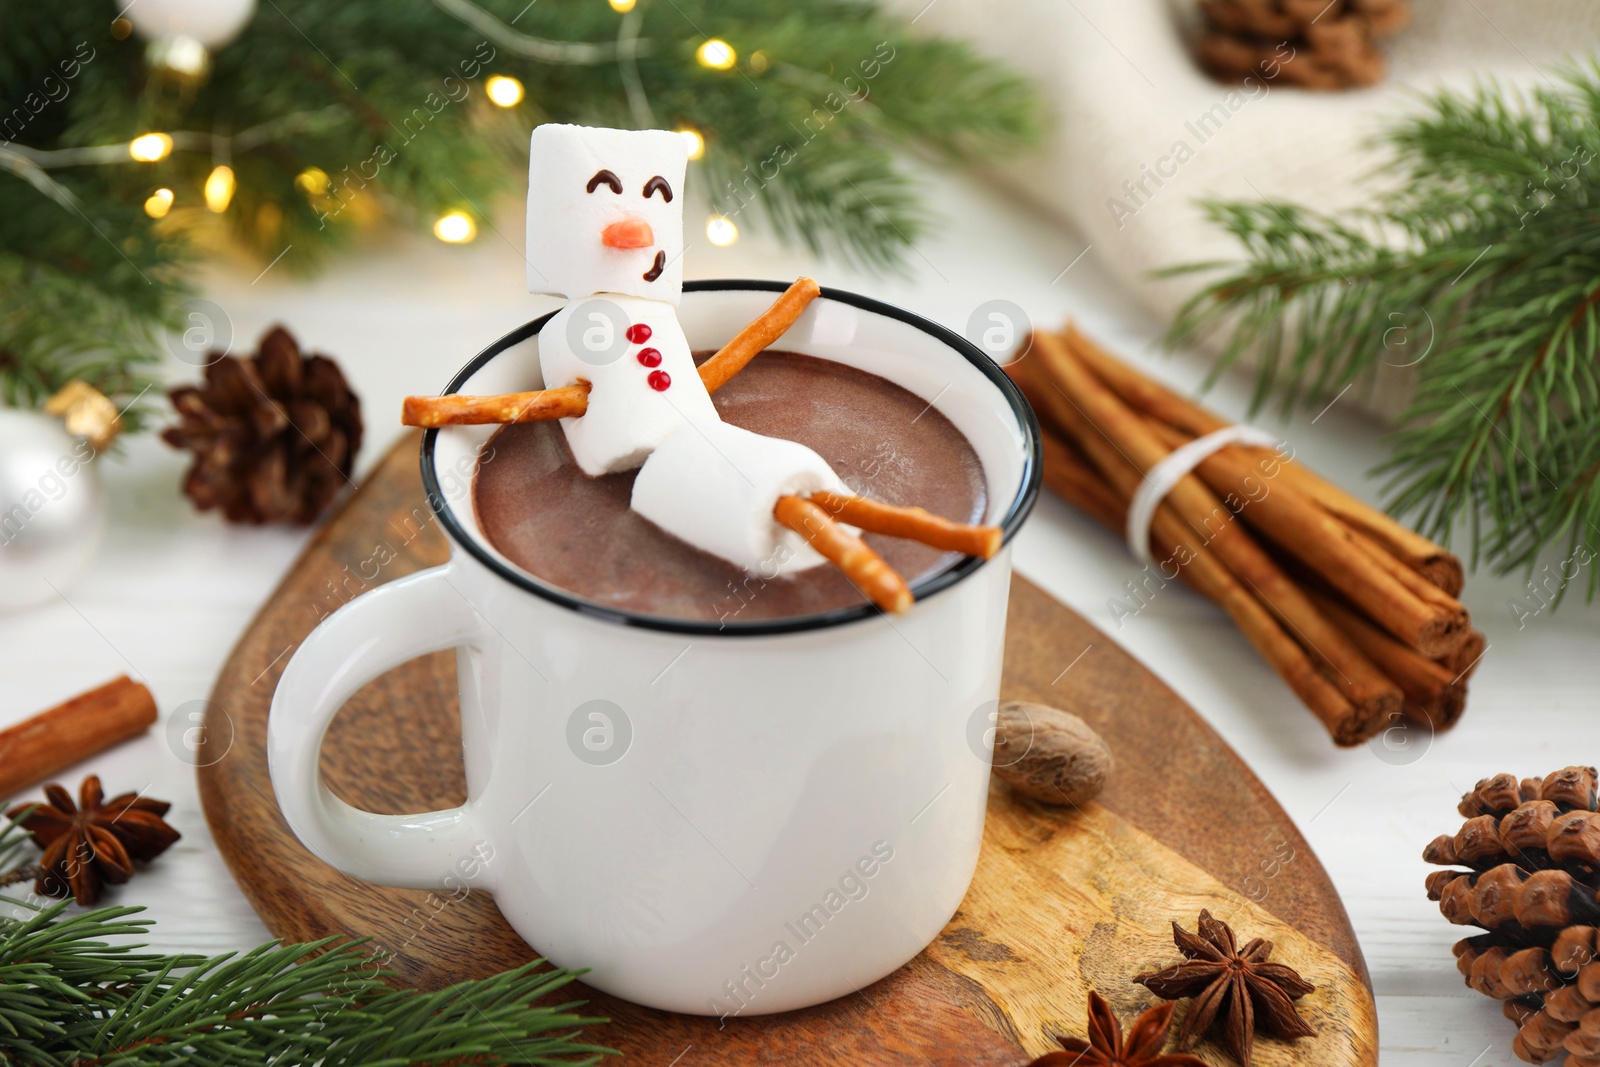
1049,754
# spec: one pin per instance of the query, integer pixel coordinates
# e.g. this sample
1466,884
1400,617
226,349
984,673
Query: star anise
1233,987
1107,1048
94,841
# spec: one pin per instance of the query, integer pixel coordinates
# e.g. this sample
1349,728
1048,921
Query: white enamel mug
715,818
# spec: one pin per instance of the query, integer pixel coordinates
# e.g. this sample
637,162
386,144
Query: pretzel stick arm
542,405
914,524
864,567
748,342
573,400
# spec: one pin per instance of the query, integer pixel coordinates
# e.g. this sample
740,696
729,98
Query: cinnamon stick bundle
1437,565
1398,598
1356,612
1077,481
1125,449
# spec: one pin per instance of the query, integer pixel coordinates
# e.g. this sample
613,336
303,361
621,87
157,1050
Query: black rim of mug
1021,504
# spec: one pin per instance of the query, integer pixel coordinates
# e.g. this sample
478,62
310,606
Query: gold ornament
86,412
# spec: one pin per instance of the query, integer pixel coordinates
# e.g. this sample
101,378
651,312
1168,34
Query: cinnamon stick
53,740
1396,597
1073,478
731,358
1433,693
864,567
1104,493
1139,391
1112,433
1413,580
541,405
1439,566
1464,660
914,524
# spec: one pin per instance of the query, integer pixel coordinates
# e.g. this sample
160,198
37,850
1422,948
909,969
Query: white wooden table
173,589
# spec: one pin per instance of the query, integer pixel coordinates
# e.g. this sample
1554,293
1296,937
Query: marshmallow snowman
605,230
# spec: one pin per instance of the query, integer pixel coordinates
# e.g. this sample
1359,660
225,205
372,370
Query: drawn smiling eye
605,177
658,184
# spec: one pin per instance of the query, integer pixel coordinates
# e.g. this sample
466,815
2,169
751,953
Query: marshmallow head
605,212
714,485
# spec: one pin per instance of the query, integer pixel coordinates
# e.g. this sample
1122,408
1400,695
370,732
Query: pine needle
76,990
336,116
1482,270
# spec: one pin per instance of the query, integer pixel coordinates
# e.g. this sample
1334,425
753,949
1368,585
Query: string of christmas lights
286,129
453,227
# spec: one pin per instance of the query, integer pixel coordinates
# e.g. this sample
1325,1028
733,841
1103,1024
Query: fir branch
56,327
385,103
1481,267
77,991
539,48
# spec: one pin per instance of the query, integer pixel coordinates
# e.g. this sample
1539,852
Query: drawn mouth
657,267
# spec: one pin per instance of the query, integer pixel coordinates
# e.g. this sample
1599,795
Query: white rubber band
1160,479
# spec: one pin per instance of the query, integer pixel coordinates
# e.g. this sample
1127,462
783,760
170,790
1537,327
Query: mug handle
378,630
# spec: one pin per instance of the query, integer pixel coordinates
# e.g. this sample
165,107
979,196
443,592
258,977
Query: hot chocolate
578,533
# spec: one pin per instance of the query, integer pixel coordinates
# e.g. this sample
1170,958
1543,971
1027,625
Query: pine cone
274,436
1315,44
1533,852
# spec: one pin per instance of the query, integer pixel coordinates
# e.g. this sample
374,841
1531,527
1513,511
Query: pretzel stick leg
914,524
748,342
864,567
542,405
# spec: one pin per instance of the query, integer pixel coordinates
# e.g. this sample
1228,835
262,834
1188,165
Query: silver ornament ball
52,508
184,33
211,23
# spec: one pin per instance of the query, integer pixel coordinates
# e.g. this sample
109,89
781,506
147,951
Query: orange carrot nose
629,233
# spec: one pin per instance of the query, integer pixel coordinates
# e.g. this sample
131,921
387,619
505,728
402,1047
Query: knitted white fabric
1139,134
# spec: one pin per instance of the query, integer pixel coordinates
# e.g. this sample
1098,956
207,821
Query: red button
638,333
659,380
650,357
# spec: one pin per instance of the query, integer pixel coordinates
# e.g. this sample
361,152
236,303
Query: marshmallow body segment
583,180
643,384
715,485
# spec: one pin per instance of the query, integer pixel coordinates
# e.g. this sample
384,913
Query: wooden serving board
1063,900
